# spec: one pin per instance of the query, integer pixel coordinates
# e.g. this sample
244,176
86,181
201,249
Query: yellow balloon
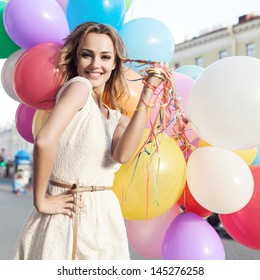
39,119
203,143
150,185
247,155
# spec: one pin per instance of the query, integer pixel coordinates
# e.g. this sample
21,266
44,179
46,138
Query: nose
95,63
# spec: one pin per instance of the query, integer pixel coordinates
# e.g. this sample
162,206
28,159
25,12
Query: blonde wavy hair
116,87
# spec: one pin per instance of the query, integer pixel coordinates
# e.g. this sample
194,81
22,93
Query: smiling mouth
93,75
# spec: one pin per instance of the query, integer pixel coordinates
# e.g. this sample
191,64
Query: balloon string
141,61
170,111
183,207
147,190
169,114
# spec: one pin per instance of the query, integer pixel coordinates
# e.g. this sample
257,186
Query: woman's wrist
39,203
152,83
154,80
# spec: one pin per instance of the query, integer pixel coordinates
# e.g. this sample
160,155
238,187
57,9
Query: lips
93,75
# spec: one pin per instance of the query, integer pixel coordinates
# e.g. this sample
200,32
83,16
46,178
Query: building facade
242,38
11,142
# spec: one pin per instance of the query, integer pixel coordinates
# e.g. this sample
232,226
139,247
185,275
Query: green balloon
128,4
7,46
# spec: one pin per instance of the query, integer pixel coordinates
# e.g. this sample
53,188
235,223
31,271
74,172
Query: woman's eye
106,57
84,54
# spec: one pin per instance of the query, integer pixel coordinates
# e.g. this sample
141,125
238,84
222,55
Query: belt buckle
74,186
93,188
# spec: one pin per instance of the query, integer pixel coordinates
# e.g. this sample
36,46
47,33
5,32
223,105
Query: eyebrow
103,52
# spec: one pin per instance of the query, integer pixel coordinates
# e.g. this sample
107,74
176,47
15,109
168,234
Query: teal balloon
110,12
257,158
148,39
7,46
192,71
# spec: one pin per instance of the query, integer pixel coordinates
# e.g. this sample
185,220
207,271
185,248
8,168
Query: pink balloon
183,85
23,120
146,236
195,142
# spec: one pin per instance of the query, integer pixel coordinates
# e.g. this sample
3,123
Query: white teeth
94,74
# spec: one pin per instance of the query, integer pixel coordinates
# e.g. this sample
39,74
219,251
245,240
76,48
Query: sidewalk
14,210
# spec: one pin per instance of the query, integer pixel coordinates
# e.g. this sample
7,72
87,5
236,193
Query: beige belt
76,189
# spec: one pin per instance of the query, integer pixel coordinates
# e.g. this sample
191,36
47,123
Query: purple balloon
190,237
23,120
29,23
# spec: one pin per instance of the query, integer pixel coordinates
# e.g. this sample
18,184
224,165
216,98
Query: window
250,49
223,54
199,61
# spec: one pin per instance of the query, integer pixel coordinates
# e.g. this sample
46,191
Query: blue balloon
192,71
110,12
257,158
148,39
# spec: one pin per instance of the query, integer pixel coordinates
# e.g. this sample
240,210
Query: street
14,210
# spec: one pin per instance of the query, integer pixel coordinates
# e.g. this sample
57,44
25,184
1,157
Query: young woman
78,150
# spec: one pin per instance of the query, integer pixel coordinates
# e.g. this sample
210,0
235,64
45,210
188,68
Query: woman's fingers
68,212
66,203
66,197
164,64
74,203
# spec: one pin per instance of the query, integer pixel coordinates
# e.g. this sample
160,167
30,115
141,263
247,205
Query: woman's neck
97,98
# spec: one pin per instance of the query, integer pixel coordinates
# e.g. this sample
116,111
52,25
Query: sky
185,19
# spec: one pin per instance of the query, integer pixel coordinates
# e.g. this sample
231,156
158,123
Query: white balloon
7,74
219,179
224,103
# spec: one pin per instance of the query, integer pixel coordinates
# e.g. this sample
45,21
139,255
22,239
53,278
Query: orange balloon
135,85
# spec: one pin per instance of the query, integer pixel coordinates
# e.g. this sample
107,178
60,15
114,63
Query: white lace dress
84,158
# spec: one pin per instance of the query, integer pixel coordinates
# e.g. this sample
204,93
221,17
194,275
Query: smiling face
96,60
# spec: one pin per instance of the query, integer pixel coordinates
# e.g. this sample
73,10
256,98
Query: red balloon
244,225
36,80
191,205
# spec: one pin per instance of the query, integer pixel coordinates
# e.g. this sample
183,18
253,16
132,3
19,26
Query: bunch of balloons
154,190
221,172
223,106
